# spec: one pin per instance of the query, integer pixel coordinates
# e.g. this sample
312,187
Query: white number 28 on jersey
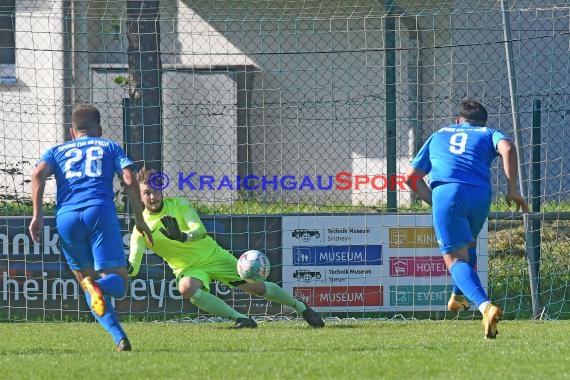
93,162
457,142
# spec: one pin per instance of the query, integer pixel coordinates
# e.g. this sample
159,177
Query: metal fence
270,102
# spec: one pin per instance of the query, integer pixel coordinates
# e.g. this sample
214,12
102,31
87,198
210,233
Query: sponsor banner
309,275
422,266
419,295
340,296
337,259
396,250
337,230
16,242
412,237
306,235
36,278
332,255
354,275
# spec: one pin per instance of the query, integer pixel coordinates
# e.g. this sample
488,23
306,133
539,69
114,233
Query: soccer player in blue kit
86,218
458,159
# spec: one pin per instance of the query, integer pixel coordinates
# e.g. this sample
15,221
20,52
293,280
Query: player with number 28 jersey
87,222
84,170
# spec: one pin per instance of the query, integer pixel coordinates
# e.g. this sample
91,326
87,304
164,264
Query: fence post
533,243
533,276
390,88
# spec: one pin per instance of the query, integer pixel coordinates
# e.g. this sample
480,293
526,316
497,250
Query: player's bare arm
133,193
416,183
39,176
508,154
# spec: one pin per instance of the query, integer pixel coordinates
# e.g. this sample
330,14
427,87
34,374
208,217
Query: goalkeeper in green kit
196,258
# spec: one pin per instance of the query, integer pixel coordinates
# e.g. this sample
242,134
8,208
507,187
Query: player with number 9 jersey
458,159
460,153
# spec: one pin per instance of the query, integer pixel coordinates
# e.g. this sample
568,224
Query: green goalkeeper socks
275,293
214,305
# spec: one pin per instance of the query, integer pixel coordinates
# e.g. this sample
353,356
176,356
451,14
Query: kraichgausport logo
341,181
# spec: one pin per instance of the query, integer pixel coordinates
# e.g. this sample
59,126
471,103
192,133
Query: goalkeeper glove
171,229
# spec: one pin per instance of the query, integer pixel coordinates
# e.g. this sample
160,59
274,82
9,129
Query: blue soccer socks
473,262
466,278
109,319
112,285
98,294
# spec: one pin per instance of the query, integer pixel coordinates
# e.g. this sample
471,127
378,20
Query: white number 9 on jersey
457,142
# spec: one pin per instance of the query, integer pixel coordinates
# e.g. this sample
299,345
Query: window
7,42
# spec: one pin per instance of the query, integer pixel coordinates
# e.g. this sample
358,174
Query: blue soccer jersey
84,170
460,153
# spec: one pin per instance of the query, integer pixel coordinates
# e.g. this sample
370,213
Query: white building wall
315,86
317,99
31,115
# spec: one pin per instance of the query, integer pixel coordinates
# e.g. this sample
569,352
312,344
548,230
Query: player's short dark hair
473,111
86,117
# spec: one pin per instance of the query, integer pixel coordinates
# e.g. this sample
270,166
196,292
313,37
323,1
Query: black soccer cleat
245,323
124,345
312,317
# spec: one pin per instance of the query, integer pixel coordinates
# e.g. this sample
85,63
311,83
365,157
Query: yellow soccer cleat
491,317
97,297
458,303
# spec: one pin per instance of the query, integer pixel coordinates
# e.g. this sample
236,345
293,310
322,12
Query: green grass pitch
450,349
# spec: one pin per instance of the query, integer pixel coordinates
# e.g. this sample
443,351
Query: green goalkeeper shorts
222,267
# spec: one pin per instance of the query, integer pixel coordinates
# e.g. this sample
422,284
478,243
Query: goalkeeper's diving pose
196,258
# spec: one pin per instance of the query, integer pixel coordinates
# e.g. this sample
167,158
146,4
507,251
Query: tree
144,133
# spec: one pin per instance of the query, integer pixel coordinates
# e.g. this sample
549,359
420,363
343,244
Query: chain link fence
265,106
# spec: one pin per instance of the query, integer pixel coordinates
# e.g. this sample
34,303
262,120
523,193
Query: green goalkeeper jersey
178,255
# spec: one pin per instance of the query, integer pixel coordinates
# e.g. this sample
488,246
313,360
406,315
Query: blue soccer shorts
91,238
459,213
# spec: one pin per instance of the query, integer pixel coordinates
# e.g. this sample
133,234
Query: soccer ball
253,266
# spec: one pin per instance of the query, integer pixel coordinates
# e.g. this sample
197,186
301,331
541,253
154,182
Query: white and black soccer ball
253,266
